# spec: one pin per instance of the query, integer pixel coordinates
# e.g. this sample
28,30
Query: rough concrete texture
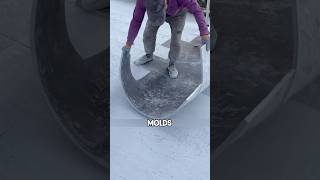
156,95
285,145
254,51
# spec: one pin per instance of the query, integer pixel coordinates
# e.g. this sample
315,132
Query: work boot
144,59
173,72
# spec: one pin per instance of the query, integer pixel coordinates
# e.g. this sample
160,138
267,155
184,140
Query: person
160,11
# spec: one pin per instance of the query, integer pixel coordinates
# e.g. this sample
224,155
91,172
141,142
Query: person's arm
136,22
194,8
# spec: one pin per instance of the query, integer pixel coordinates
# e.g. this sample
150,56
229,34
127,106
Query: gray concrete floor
178,152
32,144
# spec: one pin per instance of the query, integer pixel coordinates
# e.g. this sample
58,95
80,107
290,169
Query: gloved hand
126,51
206,41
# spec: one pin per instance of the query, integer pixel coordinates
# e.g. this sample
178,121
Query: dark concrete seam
15,41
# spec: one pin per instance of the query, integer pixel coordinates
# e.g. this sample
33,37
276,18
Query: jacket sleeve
194,8
136,21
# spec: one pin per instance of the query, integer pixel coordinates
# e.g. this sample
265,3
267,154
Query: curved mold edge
126,75
45,92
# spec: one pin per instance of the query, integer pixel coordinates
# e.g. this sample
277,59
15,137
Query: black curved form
76,87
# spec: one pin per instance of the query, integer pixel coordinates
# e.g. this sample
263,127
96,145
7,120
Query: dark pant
176,23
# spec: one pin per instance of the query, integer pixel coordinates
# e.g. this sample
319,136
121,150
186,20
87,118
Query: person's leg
149,42
149,37
176,24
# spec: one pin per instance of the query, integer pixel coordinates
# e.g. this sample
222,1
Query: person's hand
127,45
206,41
126,50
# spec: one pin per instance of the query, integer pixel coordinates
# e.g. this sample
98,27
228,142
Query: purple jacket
174,6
